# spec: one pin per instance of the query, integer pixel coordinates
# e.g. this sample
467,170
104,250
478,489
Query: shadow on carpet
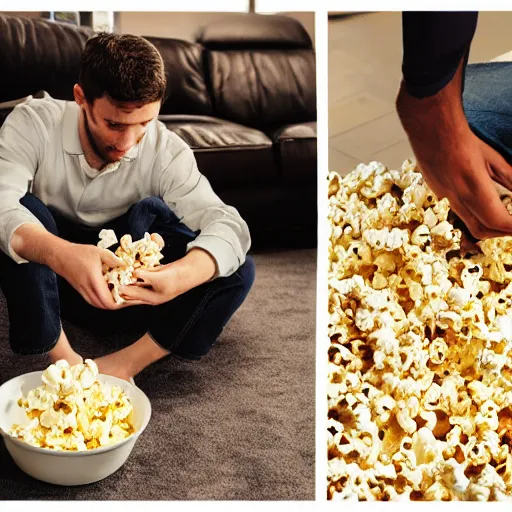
238,425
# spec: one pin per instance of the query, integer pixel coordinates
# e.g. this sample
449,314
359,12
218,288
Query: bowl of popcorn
69,425
419,346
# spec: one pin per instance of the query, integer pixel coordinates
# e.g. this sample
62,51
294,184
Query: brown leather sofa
243,96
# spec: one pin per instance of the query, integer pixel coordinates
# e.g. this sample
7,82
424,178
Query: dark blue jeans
187,326
488,104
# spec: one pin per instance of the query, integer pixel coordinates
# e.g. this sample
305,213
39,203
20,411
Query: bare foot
130,361
72,359
63,350
108,365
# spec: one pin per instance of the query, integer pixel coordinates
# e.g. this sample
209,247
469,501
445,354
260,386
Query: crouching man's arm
23,237
164,283
80,265
220,248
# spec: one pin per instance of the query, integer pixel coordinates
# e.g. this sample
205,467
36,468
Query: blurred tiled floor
365,57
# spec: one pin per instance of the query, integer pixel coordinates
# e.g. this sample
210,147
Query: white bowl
65,467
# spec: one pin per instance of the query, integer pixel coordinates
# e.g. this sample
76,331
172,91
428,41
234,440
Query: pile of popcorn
144,253
420,356
74,411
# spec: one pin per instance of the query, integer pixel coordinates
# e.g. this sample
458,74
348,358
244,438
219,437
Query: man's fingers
141,274
472,224
94,300
141,284
480,198
102,303
146,277
99,290
127,303
499,168
110,258
137,293
87,298
146,273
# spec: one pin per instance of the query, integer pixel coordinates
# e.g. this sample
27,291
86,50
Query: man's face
114,128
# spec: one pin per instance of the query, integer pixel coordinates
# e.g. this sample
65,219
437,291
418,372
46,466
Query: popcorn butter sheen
143,253
73,410
420,355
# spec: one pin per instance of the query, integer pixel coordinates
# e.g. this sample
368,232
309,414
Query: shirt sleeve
433,45
19,143
224,234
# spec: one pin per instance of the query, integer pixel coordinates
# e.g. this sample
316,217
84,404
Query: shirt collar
71,136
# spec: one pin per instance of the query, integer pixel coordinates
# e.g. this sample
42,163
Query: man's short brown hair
126,67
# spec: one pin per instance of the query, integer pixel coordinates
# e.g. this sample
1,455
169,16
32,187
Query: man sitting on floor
106,162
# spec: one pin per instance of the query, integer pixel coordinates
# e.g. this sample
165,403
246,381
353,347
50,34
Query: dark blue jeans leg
488,104
31,294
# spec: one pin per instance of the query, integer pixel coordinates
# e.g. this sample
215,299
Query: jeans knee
151,201
153,205
247,272
150,210
487,87
35,206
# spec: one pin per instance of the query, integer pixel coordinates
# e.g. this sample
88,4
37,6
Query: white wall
185,25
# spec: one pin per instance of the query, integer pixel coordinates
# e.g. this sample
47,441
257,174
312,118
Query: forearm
223,233
195,268
433,122
34,243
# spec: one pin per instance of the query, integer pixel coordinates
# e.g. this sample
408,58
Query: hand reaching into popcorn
455,163
81,265
142,280
166,282
144,253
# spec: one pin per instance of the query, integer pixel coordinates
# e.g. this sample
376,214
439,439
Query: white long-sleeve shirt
40,142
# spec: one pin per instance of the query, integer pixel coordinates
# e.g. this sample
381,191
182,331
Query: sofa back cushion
261,70
39,55
186,86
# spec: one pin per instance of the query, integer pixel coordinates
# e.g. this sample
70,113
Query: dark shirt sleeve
433,45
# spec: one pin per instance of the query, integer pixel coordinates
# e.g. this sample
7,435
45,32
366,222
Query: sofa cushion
296,145
228,154
39,55
186,88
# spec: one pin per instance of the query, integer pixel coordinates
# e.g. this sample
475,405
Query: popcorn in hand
143,253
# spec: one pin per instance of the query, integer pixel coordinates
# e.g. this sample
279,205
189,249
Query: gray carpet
240,424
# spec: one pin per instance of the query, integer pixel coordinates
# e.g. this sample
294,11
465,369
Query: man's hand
164,283
81,266
455,163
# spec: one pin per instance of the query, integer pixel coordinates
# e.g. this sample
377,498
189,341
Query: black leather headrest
254,31
39,55
186,87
